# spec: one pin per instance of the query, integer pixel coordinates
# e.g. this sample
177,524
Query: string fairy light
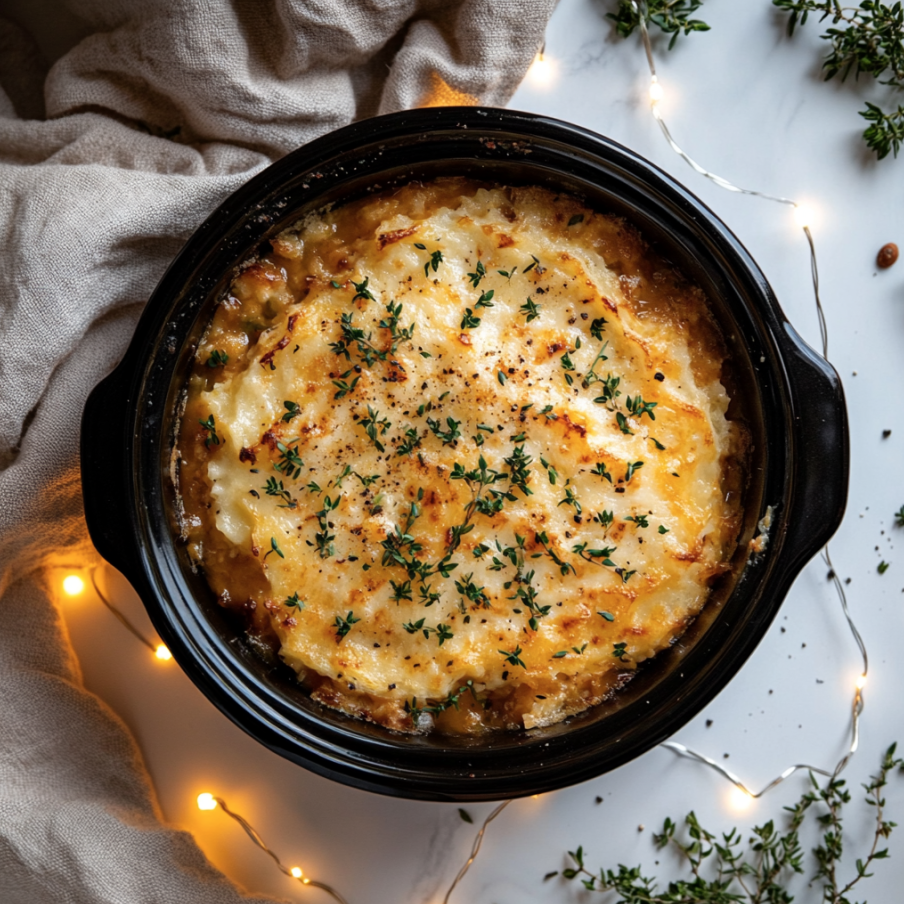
803,216
208,801
741,796
160,651
541,73
73,585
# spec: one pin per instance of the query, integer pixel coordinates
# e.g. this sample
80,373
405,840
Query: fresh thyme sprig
375,426
452,700
218,358
211,427
290,462
323,539
722,870
478,274
344,625
867,38
275,487
671,16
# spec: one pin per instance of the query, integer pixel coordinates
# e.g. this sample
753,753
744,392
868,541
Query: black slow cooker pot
790,398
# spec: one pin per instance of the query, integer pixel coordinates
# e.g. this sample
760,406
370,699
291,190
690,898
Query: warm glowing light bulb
305,881
296,872
163,653
73,585
861,682
739,799
542,71
656,92
803,215
207,801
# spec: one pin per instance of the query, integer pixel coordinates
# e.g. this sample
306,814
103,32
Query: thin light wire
640,8
254,835
857,703
120,615
475,849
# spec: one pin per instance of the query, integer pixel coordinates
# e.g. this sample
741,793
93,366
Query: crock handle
105,476
822,447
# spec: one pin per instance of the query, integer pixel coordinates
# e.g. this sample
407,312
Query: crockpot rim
339,756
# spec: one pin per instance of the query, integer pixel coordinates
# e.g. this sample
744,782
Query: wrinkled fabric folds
108,162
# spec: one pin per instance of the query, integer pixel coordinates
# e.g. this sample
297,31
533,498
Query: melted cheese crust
399,589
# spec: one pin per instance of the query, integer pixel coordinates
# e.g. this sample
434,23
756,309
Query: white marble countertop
748,103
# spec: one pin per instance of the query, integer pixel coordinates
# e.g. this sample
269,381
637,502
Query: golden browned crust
400,587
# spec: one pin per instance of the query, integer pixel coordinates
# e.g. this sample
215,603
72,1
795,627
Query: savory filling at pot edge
460,454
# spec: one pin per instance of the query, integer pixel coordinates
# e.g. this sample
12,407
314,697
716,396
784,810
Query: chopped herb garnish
605,518
501,377
323,538
899,517
217,358
638,407
414,627
443,633
663,529
519,470
475,594
294,602
447,436
622,422
274,547
639,520
486,300
591,555
392,324
410,443
657,444
344,625
480,272
571,499
534,263
631,468
436,258
361,290
210,426
601,471
597,326
550,471
513,657
606,615
882,567
530,309
619,652
343,388
577,218
400,591
290,462
275,487
293,409
469,321
373,426
610,389
561,654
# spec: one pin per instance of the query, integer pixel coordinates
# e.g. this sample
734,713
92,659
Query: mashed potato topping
461,453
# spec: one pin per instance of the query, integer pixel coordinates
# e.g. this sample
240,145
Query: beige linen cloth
106,167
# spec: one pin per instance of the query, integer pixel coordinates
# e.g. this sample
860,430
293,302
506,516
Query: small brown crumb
886,434
659,376
887,255
599,800
709,723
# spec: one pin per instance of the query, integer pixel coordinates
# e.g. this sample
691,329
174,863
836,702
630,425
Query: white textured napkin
151,121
